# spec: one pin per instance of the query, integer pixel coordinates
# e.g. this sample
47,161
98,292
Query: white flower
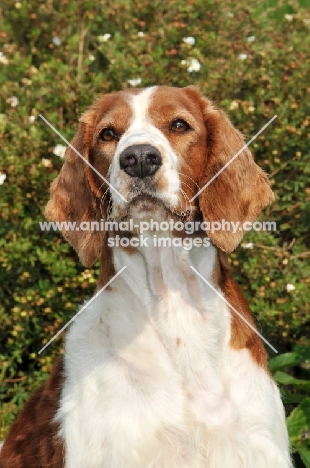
290,287
140,34
18,5
230,14
233,105
193,65
104,37
250,38
91,57
189,40
13,100
2,178
288,17
26,81
60,150
3,59
56,41
134,81
243,56
249,245
46,162
31,118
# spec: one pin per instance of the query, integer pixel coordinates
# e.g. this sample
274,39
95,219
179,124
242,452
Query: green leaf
284,360
303,351
305,456
298,422
291,398
287,379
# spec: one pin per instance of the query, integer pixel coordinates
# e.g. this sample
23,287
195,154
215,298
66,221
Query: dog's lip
151,200
156,200
147,197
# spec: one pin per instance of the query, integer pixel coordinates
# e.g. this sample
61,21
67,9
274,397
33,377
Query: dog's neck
162,275
171,296
162,257
166,267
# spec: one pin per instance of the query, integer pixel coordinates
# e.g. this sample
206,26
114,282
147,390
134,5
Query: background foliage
56,56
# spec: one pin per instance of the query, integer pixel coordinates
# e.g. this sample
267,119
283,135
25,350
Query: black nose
140,160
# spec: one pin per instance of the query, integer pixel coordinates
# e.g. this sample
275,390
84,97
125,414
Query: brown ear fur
241,191
76,195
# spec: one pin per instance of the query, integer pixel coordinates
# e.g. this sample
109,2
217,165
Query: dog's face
157,148
157,159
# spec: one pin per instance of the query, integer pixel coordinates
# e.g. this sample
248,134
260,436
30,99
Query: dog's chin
146,207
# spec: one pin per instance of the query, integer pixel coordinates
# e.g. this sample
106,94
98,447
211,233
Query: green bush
295,393
56,57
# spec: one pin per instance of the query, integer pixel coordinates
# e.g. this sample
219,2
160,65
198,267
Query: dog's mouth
153,203
146,205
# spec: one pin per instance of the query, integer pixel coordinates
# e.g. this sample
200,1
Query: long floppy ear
76,195
240,191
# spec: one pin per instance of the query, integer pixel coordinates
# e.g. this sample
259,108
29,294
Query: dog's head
150,152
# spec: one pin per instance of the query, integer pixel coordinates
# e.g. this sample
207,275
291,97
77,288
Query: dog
164,368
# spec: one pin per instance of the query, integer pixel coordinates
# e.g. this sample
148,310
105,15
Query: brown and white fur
158,371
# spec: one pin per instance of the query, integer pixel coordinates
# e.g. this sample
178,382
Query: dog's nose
140,160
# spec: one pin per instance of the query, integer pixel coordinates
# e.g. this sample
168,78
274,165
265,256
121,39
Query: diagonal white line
83,308
235,310
81,156
232,159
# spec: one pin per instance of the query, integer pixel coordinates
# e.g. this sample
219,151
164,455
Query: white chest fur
151,381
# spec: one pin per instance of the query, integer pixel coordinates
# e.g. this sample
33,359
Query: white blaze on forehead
142,130
140,105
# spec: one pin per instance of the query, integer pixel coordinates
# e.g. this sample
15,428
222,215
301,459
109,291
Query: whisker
102,201
185,195
104,196
98,190
186,198
104,182
186,175
190,188
187,211
109,208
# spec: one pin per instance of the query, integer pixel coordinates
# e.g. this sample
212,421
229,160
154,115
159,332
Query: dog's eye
107,134
179,126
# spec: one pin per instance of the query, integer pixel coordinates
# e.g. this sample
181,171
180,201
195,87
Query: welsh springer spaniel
159,372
